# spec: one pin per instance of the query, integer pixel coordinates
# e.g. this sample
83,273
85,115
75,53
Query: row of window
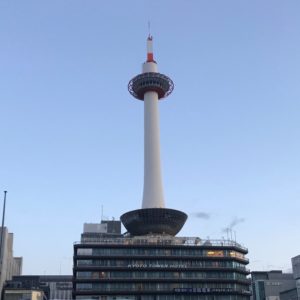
159,252
159,275
145,83
153,79
165,297
203,287
142,264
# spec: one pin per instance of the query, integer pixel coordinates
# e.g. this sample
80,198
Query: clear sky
72,136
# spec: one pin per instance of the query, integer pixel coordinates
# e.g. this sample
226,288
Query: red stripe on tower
149,57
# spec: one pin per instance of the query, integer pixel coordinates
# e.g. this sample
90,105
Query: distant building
289,295
276,285
28,283
60,286
23,294
293,294
9,265
296,272
53,286
93,231
269,285
296,266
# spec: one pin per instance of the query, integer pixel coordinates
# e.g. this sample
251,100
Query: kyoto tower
151,86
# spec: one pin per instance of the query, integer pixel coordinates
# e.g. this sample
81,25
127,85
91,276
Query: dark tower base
154,221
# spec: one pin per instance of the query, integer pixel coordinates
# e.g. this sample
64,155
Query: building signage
157,266
202,290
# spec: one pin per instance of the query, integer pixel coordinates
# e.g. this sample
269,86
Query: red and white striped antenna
149,46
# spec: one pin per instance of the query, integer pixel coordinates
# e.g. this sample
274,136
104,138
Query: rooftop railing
161,240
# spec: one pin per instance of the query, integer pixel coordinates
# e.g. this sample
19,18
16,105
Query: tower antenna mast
149,28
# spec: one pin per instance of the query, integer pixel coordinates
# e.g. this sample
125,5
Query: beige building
9,265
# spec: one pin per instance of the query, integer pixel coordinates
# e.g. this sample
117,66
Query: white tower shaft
153,189
153,196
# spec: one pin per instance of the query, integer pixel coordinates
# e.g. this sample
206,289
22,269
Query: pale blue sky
72,136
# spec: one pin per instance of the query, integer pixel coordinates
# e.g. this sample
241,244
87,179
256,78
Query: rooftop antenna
149,29
227,233
101,212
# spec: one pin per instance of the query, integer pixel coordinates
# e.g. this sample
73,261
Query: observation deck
150,81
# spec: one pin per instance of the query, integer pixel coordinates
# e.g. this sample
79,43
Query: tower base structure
154,221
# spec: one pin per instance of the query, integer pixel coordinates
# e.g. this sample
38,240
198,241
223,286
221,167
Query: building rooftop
163,240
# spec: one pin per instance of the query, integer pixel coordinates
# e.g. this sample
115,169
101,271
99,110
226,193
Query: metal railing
162,240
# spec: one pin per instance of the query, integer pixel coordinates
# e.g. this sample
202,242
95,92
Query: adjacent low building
296,273
289,295
23,294
60,286
276,285
53,286
269,285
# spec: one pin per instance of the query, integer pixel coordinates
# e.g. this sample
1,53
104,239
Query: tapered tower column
153,195
151,86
